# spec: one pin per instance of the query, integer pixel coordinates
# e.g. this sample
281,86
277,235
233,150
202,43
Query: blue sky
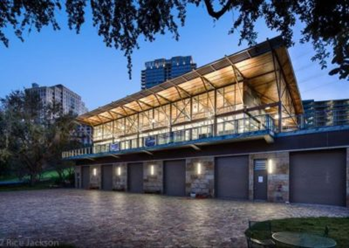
99,74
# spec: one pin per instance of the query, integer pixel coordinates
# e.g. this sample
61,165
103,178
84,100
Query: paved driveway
109,219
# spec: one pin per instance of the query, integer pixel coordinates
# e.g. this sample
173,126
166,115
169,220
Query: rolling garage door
135,177
174,179
318,177
85,179
107,177
232,177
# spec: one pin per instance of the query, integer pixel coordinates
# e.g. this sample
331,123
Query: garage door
107,177
318,177
85,183
135,177
232,177
174,178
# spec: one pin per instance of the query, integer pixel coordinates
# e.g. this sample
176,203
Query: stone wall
278,177
78,175
95,180
120,181
153,183
202,183
348,177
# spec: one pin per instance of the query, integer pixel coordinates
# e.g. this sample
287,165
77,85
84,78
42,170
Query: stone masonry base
200,176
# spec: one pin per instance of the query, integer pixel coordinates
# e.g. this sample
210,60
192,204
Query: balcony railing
317,119
249,125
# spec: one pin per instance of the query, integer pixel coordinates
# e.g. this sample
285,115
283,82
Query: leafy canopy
34,134
122,22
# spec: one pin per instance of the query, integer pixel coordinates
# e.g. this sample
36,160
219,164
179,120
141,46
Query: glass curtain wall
183,120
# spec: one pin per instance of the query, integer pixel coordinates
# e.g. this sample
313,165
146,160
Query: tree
64,131
36,134
4,154
122,22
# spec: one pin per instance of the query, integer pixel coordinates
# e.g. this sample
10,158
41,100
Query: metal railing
231,127
77,152
315,119
312,120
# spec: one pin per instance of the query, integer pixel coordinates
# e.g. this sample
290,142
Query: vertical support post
277,78
191,108
280,102
124,129
215,114
153,118
137,143
170,127
113,128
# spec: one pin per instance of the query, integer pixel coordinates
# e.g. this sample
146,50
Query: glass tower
160,70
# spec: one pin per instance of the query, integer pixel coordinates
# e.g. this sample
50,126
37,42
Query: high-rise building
160,70
70,102
328,112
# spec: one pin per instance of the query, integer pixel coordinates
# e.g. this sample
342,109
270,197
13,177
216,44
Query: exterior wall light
119,171
152,170
270,166
199,169
94,171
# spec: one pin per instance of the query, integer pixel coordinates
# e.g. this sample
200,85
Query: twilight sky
99,74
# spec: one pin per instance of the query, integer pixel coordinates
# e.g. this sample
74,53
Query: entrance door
135,177
231,175
318,177
85,183
260,180
174,179
107,177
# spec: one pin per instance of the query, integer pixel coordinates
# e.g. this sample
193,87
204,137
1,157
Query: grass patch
338,228
47,175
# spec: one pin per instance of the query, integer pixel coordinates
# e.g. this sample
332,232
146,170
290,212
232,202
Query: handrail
237,126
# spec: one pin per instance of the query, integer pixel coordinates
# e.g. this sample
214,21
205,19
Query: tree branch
218,14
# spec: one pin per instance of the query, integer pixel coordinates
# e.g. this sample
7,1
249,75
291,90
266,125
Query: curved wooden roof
255,65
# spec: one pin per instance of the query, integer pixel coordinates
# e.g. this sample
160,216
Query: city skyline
80,62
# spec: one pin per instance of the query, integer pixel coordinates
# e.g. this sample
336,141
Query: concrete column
78,178
203,183
153,177
95,179
120,176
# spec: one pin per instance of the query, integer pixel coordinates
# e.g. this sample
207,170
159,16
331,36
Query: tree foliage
4,154
34,134
122,22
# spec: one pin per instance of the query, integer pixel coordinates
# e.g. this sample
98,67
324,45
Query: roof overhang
255,65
